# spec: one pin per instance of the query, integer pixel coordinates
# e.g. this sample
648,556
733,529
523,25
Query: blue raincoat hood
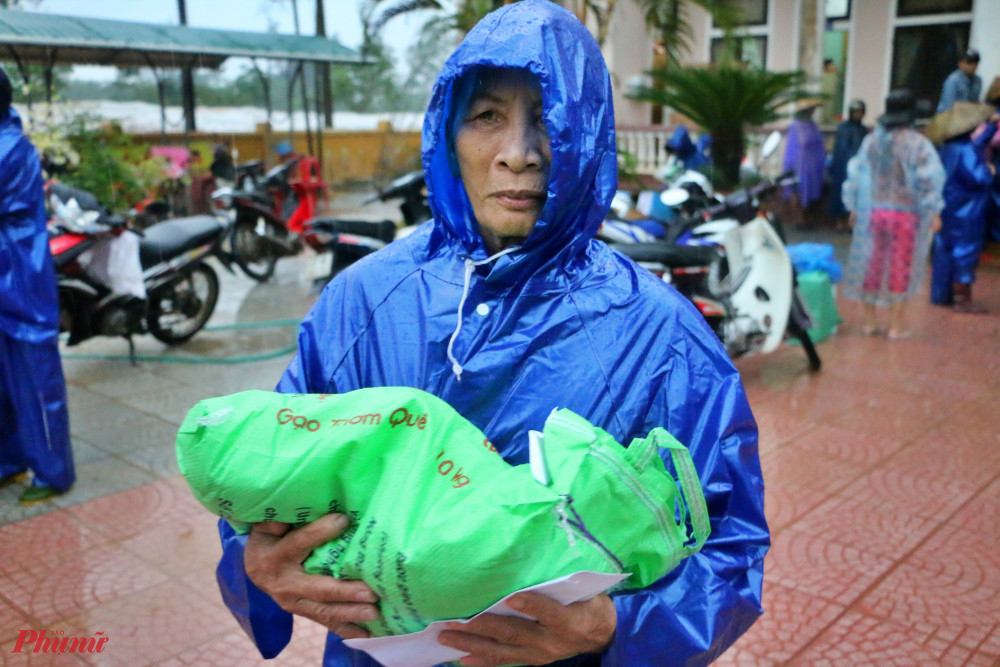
548,41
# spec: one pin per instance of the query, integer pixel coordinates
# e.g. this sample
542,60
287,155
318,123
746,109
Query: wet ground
882,473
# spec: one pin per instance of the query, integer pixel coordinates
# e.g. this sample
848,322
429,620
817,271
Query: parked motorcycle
181,288
268,213
346,240
744,285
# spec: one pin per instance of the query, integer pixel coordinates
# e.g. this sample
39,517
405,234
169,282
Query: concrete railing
645,144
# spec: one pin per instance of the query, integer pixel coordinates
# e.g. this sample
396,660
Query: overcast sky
251,15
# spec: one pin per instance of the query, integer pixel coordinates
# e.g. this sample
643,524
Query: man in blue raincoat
956,248
850,134
34,421
505,306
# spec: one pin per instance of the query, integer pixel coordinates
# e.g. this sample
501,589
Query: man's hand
273,561
935,224
561,631
852,219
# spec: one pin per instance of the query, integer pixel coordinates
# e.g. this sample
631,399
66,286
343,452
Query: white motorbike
738,274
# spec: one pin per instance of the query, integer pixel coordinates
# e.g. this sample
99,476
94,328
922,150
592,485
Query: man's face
503,156
969,67
856,115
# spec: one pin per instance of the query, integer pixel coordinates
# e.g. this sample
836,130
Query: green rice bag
441,526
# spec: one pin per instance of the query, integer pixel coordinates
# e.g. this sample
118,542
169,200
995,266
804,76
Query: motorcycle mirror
770,144
674,196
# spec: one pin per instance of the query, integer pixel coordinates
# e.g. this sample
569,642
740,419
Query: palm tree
668,21
459,16
724,99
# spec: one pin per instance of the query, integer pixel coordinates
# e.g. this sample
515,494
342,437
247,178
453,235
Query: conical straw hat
993,94
961,118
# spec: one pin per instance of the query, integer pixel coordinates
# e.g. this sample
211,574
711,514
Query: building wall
871,26
869,53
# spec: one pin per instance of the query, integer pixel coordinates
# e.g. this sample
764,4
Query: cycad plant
724,99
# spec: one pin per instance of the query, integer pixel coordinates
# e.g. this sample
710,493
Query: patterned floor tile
876,528
27,656
12,621
965,458
909,491
132,512
80,580
964,571
776,427
815,566
234,649
791,619
784,504
864,641
896,417
147,628
180,547
738,657
797,468
978,415
44,539
982,513
859,448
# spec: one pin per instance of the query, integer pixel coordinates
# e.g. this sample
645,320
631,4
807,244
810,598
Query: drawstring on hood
470,265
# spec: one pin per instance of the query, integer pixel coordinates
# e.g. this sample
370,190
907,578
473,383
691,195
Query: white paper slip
421,649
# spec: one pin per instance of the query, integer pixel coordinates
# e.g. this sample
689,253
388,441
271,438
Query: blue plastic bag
808,257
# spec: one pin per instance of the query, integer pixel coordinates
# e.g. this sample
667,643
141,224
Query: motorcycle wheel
795,330
253,251
181,308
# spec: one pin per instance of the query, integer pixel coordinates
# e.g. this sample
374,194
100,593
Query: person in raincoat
850,134
962,85
679,145
893,191
992,154
956,248
34,419
805,155
505,306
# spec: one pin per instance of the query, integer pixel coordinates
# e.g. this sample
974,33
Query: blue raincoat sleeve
963,220
29,306
697,611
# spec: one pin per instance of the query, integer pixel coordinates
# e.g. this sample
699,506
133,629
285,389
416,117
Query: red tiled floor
793,619
865,641
154,624
882,477
863,449
823,568
77,582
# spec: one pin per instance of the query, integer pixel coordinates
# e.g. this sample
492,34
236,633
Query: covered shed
52,39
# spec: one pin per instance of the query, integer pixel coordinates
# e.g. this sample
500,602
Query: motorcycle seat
383,230
170,238
668,254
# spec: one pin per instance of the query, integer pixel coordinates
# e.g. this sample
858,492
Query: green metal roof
65,40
